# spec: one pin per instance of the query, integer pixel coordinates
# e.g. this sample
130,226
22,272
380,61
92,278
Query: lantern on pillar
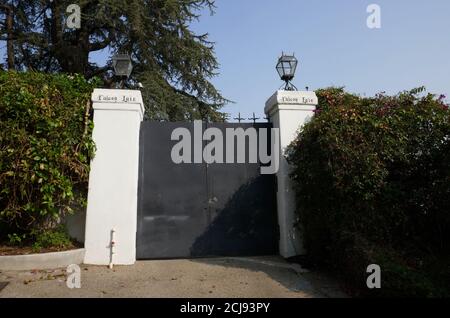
122,66
286,67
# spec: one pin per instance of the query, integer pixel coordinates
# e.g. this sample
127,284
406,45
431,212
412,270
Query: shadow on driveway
290,275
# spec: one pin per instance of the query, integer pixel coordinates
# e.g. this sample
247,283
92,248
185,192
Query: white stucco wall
113,180
289,111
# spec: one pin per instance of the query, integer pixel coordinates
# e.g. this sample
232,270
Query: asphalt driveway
264,277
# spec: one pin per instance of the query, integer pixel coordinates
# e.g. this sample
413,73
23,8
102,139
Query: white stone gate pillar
113,180
289,111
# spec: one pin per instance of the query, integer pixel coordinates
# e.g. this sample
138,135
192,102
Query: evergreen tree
174,64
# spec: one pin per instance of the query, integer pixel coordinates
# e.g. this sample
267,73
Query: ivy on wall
45,150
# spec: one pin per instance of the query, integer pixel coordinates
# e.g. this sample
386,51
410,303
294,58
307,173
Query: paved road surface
264,277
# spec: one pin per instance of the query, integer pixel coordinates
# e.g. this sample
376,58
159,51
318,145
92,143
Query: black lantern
122,65
286,66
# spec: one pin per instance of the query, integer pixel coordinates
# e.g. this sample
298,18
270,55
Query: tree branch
99,45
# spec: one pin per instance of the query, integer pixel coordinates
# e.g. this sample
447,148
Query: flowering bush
372,180
45,148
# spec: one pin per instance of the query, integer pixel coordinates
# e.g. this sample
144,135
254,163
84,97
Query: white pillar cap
118,99
291,100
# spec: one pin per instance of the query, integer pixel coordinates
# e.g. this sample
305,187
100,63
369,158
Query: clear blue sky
333,44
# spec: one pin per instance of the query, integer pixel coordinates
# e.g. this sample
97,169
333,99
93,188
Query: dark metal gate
196,210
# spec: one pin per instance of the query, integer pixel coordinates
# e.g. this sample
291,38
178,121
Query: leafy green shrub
56,238
45,148
372,182
15,239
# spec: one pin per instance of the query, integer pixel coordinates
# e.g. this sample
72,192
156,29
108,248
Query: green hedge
45,148
372,181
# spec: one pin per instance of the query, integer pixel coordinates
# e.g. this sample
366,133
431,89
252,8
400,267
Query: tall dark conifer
174,64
